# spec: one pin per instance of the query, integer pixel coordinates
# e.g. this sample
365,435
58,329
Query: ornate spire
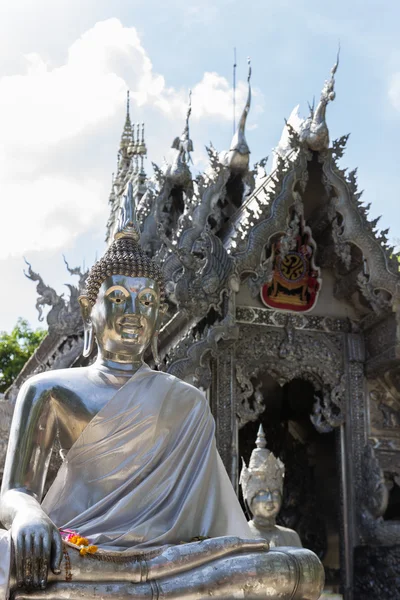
140,145
314,131
127,226
132,143
126,136
265,471
237,158
261,441
184,144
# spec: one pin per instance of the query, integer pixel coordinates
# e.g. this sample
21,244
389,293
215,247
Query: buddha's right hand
37,544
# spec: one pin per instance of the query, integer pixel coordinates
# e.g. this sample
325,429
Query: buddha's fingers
177,559
56,552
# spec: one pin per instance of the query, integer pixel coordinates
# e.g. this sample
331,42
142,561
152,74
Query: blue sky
65,66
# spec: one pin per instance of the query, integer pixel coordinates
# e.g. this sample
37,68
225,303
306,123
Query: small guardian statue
262,487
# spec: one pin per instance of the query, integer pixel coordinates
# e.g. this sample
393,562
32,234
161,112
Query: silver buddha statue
262,487
142,506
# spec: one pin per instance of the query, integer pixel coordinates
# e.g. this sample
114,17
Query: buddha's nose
134,303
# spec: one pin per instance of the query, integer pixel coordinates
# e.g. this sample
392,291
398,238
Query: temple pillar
223,404
352,442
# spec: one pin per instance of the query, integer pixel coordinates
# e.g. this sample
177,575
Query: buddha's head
124,297
265,503
262,480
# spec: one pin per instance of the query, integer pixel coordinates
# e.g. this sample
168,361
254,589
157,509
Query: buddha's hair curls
123,257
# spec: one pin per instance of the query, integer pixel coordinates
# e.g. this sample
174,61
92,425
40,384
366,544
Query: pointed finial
140,143
189,110
239,141
261,441
328,91
237,158
127,226
314,130
184,144
127,131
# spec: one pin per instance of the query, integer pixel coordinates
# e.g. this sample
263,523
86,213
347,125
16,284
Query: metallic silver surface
237,157
262,488
62,403
285,573
222,353
140,470
314,131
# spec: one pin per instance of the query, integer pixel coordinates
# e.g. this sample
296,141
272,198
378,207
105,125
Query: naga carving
314,131
196,363
250,401
373,499
64,316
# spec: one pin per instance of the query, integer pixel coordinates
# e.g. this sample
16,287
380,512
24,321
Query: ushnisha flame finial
127,226
265,471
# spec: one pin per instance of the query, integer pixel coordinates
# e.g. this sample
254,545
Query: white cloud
51,111
35,223
394,91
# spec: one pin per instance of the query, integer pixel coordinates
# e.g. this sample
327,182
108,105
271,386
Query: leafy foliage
15,349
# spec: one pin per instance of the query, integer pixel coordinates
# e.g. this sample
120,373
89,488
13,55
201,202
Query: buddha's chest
77,408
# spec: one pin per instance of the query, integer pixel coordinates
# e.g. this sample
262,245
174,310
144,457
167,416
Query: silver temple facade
284,307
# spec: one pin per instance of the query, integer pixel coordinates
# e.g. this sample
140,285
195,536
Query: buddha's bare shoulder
63,377
59,380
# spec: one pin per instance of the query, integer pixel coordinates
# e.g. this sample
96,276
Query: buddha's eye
147,300
116,298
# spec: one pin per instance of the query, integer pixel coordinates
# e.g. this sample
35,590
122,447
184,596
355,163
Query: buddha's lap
283,572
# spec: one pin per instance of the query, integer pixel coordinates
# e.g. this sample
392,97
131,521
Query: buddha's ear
86,307
163,309
88,334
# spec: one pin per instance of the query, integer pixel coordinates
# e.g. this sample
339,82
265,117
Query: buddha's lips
130,322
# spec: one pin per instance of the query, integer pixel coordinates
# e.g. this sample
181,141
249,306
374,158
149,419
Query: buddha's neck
264,522
118,363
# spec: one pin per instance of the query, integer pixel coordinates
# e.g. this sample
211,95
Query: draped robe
145,472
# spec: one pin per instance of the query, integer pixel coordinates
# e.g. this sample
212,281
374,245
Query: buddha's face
125,315
266,503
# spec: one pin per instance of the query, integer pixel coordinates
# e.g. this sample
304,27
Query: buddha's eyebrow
148,291
118,288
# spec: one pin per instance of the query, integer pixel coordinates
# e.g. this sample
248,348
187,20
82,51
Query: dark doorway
311,490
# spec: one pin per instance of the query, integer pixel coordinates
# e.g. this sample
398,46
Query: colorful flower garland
77,541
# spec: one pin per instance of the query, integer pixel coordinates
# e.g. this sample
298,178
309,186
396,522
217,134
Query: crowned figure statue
142,506
262,487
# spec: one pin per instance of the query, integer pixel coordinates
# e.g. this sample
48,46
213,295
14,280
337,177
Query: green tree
15,349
